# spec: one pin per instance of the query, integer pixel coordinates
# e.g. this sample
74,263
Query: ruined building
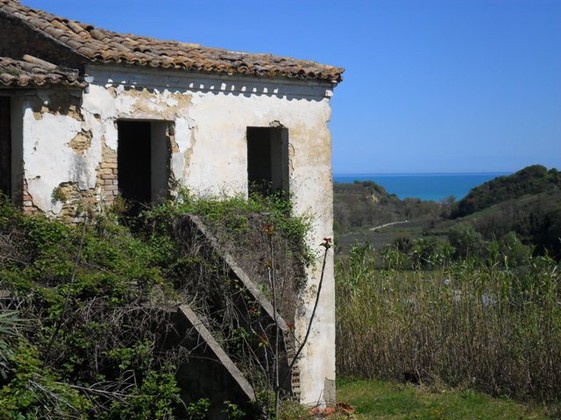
87,114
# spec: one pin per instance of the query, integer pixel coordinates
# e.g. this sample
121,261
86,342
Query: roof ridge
105,46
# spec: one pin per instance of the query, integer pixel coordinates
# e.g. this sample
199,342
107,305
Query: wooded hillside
535,179
526,204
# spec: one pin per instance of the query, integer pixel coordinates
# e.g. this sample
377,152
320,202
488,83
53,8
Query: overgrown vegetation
87,340
86,310
469,322
268,244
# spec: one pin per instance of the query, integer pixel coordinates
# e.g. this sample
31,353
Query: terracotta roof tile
17,73
100,45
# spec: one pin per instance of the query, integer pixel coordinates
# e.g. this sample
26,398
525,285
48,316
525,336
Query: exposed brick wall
27,201
61,102
107,177
75,201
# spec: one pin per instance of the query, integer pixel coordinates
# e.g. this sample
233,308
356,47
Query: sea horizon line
364,174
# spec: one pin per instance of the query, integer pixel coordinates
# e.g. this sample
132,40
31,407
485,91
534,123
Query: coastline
424,186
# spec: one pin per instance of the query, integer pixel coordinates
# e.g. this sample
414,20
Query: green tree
466,241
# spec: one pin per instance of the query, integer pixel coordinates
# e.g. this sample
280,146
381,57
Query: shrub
95,297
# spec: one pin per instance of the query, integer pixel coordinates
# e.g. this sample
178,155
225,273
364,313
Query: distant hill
365,204
531,180
527,203
360,208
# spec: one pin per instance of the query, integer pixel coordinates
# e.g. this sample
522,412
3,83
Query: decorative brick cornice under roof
103,46
36,73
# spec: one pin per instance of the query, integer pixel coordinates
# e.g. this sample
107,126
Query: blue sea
426,186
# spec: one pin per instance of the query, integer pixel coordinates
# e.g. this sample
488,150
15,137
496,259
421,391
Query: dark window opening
5,147
143,163
267,159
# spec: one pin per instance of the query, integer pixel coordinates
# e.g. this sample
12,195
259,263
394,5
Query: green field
374,399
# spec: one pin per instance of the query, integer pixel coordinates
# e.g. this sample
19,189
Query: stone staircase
199,325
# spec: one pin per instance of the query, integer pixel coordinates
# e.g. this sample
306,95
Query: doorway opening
5,147
143,156
267,160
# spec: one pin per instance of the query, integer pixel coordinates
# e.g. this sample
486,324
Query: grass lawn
388,400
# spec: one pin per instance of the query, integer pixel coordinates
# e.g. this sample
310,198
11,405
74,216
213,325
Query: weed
466,323
198,409
233,411
96,338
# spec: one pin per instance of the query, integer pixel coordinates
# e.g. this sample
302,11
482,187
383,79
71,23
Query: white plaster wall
210,117
48,158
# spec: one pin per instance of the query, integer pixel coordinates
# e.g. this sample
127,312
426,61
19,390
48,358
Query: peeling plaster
48,162
209,120
100,101
184,139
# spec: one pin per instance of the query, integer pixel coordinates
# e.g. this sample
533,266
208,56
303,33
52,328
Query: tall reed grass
470,324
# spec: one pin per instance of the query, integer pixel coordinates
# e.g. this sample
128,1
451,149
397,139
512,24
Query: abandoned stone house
87,114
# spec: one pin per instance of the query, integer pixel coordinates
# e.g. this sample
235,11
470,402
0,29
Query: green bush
94,298
34,391
155,398
81,289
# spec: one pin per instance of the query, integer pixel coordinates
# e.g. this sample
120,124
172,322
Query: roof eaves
33,73
103,46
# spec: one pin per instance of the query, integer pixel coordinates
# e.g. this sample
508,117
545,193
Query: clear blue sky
430,86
